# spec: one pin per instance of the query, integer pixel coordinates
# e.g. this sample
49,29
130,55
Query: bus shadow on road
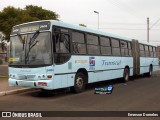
50,93
67,91
90,87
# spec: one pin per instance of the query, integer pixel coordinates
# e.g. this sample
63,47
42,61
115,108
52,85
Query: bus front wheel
79,83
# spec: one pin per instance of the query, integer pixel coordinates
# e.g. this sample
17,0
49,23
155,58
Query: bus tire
126,75
79,83
149,74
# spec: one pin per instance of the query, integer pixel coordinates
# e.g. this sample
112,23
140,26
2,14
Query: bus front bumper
44,84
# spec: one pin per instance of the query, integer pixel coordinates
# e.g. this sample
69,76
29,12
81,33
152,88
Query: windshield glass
30,49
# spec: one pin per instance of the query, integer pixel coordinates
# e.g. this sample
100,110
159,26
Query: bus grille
26,77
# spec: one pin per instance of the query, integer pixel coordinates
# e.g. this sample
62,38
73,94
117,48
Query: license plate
24,83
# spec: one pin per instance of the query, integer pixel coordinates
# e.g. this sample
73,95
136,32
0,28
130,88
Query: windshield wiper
33,38
31,45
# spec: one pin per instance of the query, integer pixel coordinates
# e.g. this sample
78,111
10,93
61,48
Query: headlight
12,76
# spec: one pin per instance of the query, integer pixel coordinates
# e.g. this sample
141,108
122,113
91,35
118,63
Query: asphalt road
141,94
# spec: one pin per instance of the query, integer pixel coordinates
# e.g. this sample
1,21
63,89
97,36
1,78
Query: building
158,53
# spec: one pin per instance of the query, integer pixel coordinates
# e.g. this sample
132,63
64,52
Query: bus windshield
30,49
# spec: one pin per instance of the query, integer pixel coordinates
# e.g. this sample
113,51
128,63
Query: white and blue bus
52,54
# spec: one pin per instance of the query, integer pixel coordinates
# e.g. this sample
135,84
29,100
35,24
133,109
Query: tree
38,12
2,42
11,16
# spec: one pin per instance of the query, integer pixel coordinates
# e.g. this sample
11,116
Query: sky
121,17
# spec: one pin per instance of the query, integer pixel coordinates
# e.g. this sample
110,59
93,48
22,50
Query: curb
4,65
14,91
2,76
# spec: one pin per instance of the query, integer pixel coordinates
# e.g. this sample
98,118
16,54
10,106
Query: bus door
136,57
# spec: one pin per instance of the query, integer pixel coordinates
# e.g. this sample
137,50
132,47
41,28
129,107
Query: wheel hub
79,82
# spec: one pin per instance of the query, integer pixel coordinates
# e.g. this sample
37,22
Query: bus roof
146,43
80,28
85,29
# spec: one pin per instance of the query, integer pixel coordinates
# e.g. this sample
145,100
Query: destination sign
31,27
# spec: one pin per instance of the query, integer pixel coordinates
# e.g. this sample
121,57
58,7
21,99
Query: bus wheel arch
81,79
126,74
150,72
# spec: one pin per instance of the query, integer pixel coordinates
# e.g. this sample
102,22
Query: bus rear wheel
126,75
79,83
149,74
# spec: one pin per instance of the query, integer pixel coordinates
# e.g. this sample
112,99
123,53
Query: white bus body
74,67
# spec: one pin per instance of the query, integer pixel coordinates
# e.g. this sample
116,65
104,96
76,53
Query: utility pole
148,29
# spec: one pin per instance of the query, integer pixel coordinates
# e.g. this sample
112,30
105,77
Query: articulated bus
51,54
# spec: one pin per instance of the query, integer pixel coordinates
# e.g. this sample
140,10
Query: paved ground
4,79
4,85
142,94
3,70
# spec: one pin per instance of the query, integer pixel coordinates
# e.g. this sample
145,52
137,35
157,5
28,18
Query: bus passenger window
142,52
124,48
93,44
62,43
115,47
146,51
105,46
78,43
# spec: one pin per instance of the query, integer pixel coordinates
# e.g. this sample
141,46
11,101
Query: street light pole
98,17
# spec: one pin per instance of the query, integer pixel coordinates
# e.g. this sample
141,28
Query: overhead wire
127,9
154,24
128,29
130,10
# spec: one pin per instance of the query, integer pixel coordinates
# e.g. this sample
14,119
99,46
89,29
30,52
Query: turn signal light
49,76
